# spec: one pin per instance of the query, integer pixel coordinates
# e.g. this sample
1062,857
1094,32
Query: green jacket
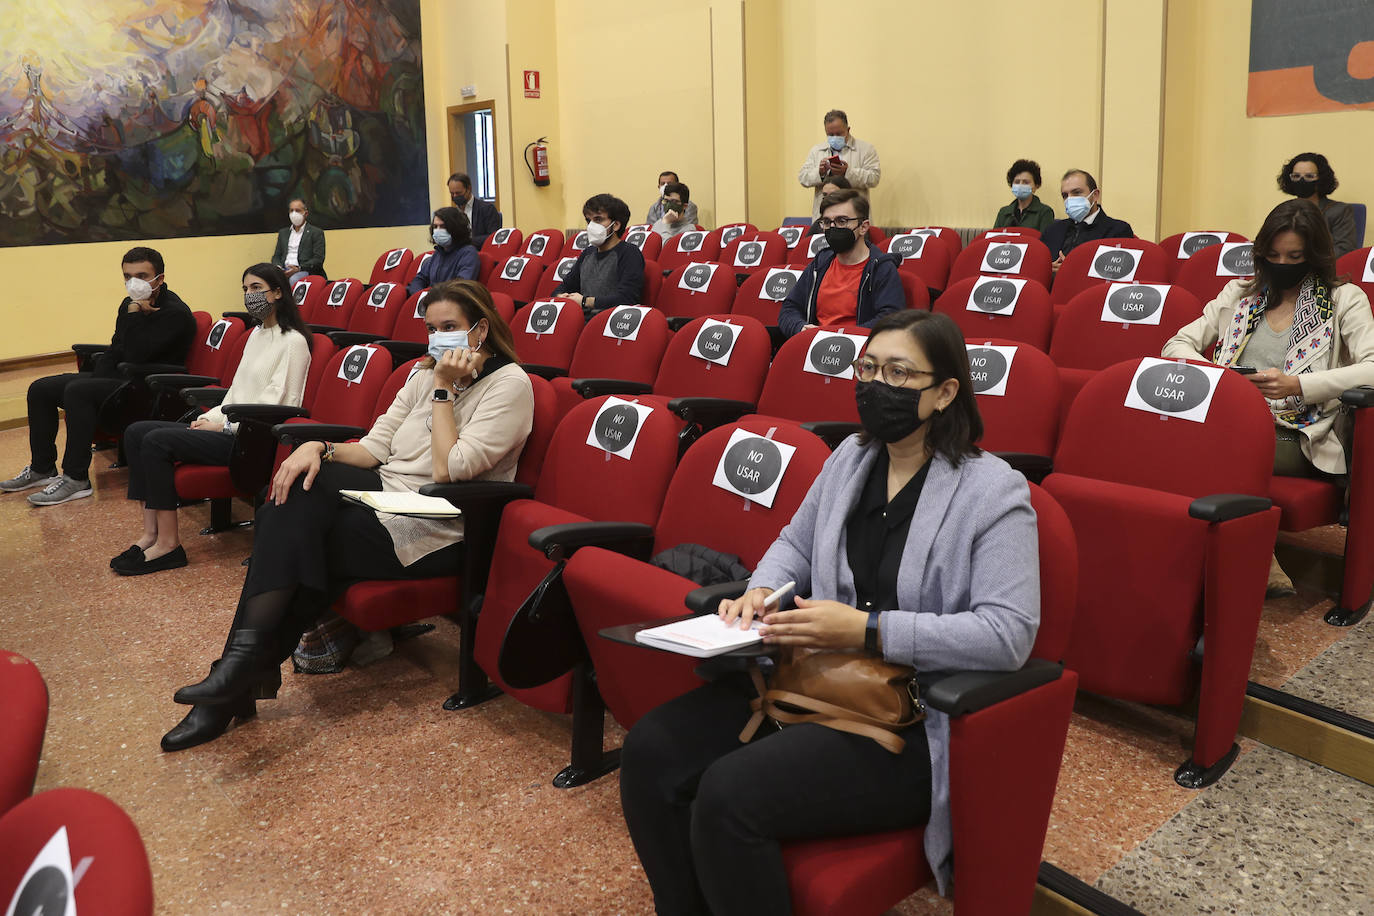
311,253
1037,216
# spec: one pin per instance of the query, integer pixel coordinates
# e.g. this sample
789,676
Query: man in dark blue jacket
850,282
483,217
607,273
1087,221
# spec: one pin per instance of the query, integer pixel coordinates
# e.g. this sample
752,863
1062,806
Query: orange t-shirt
837,301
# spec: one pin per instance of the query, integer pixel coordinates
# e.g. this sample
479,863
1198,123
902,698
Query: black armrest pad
1358,397
707,599
325,329
548,372
1223,507
710,411
471,495
352,338
1034,468
143,370
970,691
203,397
312,432
246,318
263,413
832,432
678,322
402,350
90,349
563,540
595,387
176,381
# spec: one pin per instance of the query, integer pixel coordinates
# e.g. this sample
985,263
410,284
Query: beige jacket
494,416
1352,355
864,168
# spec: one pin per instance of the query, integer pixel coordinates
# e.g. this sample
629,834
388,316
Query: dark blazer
486,219
310,256
880,291
1056,237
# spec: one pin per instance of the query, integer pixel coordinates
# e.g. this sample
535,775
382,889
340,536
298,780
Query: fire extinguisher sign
531,84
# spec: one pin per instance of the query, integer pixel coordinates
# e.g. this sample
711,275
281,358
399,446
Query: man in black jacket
153,326
300,246
1087,221
482,216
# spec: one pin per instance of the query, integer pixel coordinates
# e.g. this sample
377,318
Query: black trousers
80,394
318,544
706,813
152,449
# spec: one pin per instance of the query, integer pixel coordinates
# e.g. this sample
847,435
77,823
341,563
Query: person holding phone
683,221
1306,335
843,155
676,197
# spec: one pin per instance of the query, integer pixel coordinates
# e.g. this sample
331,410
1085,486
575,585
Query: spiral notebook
403,502
700,637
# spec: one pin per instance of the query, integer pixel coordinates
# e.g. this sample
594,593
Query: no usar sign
1174,389
753,467
715,342
616,427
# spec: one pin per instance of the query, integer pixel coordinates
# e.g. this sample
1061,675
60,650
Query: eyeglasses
840,222
894,374
1296,177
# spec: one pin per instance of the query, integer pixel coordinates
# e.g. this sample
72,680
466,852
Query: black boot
206,723
240,670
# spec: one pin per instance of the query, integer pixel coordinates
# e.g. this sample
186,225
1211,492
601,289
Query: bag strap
752,726
890,741
821,707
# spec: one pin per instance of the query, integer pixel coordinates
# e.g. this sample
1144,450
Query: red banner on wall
1310,57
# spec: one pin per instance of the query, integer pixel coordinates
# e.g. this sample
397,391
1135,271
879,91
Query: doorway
472,147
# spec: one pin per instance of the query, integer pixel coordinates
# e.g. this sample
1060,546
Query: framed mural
1317,55
147,119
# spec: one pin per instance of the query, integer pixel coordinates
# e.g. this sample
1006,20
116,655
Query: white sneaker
26,480
60,490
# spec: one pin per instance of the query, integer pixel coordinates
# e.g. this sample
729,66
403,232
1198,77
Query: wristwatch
328,453
871,632
440,394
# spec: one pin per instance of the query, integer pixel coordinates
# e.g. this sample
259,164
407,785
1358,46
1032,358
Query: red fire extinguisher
539,168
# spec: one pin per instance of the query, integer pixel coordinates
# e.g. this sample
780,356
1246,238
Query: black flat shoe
133,555
174,559
206,723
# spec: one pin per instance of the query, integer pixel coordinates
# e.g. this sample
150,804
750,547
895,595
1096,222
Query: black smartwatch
440,394
871,632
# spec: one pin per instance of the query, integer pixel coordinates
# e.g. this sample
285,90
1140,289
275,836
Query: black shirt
876,532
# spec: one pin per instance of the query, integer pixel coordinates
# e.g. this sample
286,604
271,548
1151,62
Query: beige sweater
494,416
273,370
1352,358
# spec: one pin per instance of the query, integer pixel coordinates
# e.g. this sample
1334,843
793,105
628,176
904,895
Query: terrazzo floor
358,793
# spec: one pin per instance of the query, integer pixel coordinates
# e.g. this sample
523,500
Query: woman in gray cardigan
913,544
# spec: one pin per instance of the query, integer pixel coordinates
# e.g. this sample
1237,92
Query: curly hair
1024,165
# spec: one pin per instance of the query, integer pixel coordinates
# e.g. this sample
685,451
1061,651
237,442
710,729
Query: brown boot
1280,586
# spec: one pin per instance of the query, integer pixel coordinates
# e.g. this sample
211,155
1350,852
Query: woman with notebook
463,415
912,545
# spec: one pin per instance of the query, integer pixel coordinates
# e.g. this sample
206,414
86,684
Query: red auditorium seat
546,333
722,236
1178,253
309,294
1208,271
697,288
1109,261
625,342
574,244
503,243
545,246
21,727
805,251
416,265
374,316
648,242
517,277
336,308
1175,532
754,252
929,260
553,276
811,380
914,291
1013,308
1017,388
692,245
1358,266
945,235
653,283
760,297
1025,232
486,265
1026,258
793,236
391,267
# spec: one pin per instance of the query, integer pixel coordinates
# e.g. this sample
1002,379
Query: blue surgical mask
1077,208
836,143
442,237
440,342
1022,191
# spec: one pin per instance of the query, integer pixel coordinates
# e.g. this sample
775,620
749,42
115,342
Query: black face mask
1285,276
889,414
1305,188
458,199
840,240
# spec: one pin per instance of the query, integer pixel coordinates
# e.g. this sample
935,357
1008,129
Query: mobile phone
1245,370
834,160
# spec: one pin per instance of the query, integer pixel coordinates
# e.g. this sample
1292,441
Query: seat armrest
1034,468
203,397
263,413
143,370
297,433
344,339
89,350
547,372
678,322
473,495
176,381
402,350
560,541
710,412
970,691
595,387
707,599
832,432
1223,507
1358,397
325,329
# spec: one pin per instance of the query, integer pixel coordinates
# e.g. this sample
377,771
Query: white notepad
403,502
700,637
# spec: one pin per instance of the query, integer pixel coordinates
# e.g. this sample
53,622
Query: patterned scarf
1309,344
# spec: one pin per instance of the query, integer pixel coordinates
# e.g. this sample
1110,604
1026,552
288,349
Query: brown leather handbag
847,690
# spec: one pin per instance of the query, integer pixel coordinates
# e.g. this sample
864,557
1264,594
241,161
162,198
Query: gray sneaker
26,480
62,489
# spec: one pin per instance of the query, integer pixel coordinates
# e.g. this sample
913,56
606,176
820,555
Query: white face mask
597,234
297,218
138,288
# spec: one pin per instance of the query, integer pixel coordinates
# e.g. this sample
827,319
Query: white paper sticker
1236,260
353,366
624,322
216,335
393,258
715,341
989,366
544,316
1173,389
925,231
420,304
337,292
637,238
640,227
536,244
779,283
501,236
48,887
697,277
817,245
753,467
1368,268
1004,258
563,268
908,245
514,268
376,297
690,241
299,291
832,353
1000,234
995,295
729,234
1113,263
580,240
749,254
1136,303
791,235
1193,242
616,427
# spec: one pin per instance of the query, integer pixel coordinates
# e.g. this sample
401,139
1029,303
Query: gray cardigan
969,586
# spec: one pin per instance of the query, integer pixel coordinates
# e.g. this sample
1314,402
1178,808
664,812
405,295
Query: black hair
1326,176
142,253
953,432
288,313
839,181
836,114
1092,182
456,222
1305,218
678,188
1030,165
615,209
462,178
846,195
669,172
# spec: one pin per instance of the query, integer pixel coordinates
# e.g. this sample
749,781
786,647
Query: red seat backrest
504,305
546,419
923,256
309,293
410,324
394,383
554,275
392,266
599,355
336,308
649,242
322,351
947,236
546,332
234,355
1007,260
1075,274
806,250
792,392
761,296
653,283
486,264
692,245
792,236
683,374
416,264
347,392
377,309
503,243
1083,339
574,244
722,236
1025,417
1058,577
517,277
1206,276
1010,232
1177,255
21,728
212,345
712,290
1030,321
754,252
544,246
1357,267
914,291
